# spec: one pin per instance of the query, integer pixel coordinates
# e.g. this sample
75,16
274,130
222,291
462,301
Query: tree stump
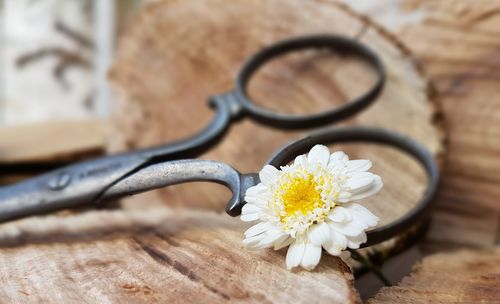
154,256
457,44
167,68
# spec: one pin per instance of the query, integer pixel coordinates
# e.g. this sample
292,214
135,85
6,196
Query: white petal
287,240
339,215
319,154
336,244
339,156
339,239
351,228
333,248
268,175
256,201
256,190
300,160
363,214
257,229
295,254
249,217
354,242
319,233
262,197
344,197
360,181
359,165
249,208
252,241
269,239
373,189
312,255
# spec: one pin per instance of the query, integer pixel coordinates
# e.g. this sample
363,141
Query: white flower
309,205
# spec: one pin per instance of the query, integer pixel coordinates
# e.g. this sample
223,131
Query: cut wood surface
457,44
459,47
154,256
167,68
461,277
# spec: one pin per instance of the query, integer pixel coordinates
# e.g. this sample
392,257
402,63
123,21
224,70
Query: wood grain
460,277
459,47
154,256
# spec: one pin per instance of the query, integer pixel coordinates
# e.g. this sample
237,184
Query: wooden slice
460,277
154,256
457,43
178,53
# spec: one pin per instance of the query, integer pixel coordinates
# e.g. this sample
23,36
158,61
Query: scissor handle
115,177
339,44
234,104
381,136
86,182
182,171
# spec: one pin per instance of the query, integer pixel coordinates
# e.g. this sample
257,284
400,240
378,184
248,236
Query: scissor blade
68,187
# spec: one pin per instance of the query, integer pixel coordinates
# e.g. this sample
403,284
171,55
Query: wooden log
460,277
458,46
154,256
167,68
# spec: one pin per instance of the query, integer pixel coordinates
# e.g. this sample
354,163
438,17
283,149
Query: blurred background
55,56
54,60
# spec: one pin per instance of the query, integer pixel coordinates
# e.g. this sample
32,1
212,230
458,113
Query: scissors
115,176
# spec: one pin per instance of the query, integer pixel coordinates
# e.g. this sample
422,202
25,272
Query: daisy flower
308,205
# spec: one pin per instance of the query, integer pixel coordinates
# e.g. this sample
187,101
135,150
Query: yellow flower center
300,194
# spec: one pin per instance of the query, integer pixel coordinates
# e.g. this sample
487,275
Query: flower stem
373,268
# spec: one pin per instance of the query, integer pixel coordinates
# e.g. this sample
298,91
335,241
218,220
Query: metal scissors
115,176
